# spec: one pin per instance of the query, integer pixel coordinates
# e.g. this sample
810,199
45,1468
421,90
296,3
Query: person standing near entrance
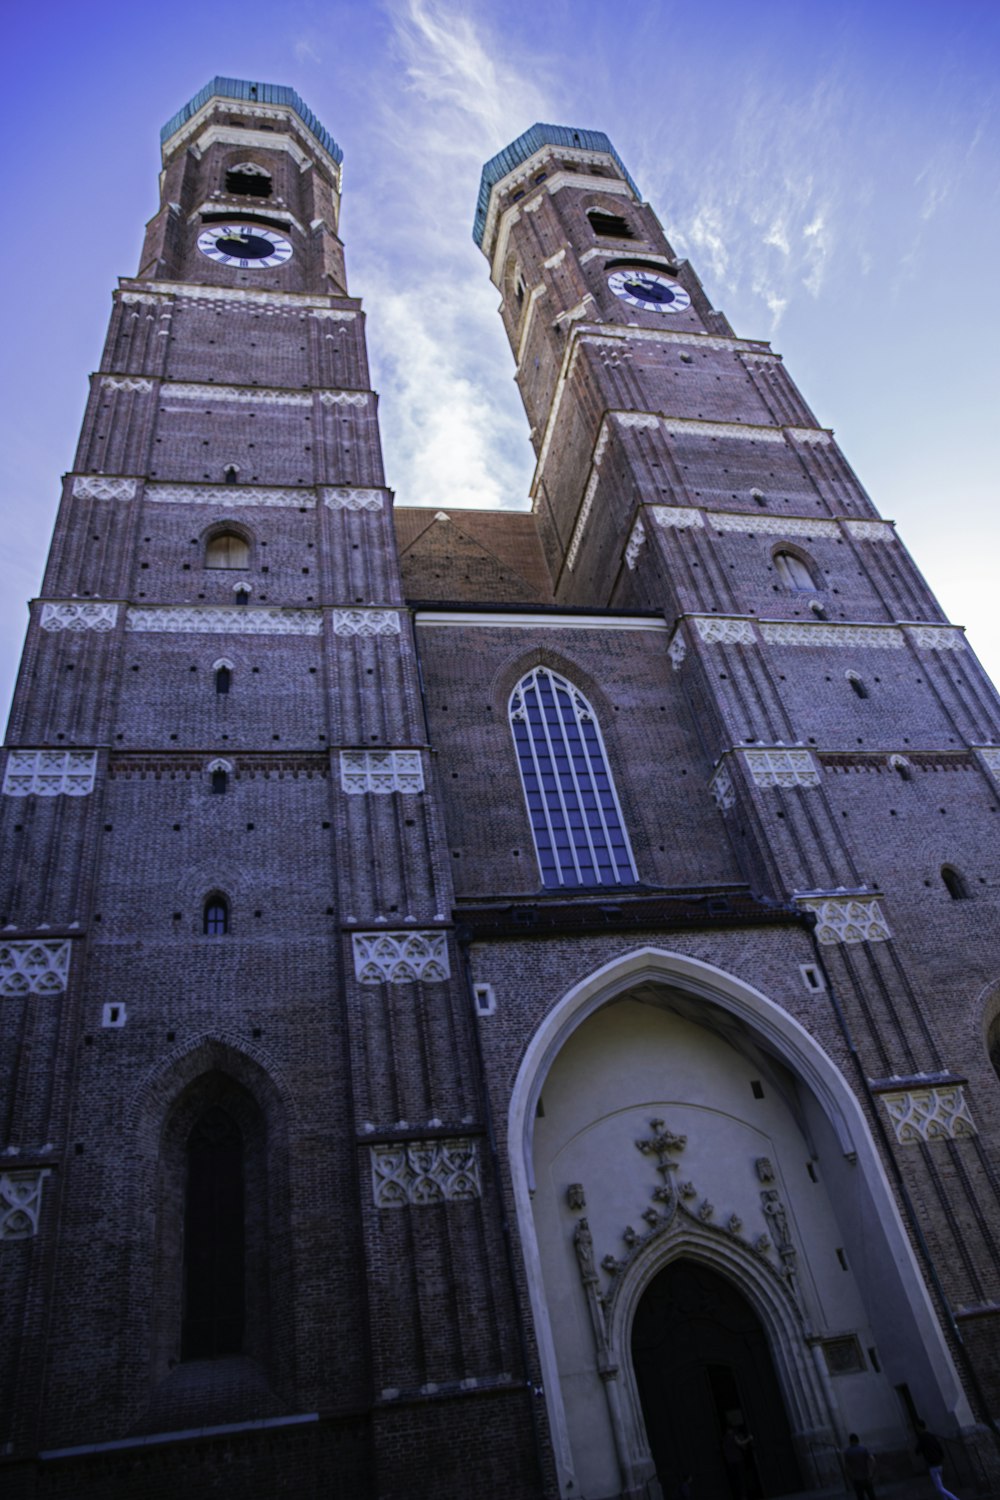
859,1462
932,1452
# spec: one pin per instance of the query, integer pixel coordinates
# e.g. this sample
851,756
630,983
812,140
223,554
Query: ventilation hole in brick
756,1088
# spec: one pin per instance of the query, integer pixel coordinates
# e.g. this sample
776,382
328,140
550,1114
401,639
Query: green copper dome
253,93
526,145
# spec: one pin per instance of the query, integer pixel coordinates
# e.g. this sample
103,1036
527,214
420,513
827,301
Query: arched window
609,226
955,883
248,180
215,918
214,1238
232,473
227,549
794,573
242,596
575,818
220,781
223,678
857,684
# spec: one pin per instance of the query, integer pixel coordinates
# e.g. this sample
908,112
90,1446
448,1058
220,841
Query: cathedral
497,1004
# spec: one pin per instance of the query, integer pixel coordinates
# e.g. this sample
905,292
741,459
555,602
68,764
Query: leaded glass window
575,818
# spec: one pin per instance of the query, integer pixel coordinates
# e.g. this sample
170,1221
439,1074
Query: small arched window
901,766
215,921
220,781
609,226
248,180
232,473
857,684
576,821
955,883
223,678
794,573
227,549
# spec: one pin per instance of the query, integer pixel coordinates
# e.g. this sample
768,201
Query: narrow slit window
214,1239
223,679
955,883
575,818
857,684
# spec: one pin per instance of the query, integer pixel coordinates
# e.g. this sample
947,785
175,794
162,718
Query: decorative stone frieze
584,516
724,632
847,919
230,619
333,314
381,771
256,395
352,499
101,487
931,1114
722,789
770,525
34,966
870,531
678,651
880,637
782,767
636,419
634,546
688,427
145,299
677,517
421,1172
73,615
21,1202
343,398
366,622
816,436
936,637
400,957
49,773
169,291
230,495
127,383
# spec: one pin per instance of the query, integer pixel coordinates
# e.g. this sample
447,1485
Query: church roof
257,93
526,145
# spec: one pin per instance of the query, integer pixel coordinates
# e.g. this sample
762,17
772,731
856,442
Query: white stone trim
102,487
626,334
930,1114
381,771
847,919
66,614
283,113
634,546
231,619
936,637
419,1172
263,395
21,1202
34,966
343,398
166,291
366,622
352,499
870,531
400,958
817,436
691,427
991,758
885,637
555,260
677,517
716,631
527,318
583,517
769,525
677,650
461,620
333,314
722,789
49,773
779,767
127,383
229,495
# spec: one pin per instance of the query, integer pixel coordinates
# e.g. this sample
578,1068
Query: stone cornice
131,288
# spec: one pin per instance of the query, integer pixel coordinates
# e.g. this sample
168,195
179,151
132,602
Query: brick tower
487,1002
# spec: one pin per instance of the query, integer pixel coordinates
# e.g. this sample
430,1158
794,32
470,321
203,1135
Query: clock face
648,290
250,247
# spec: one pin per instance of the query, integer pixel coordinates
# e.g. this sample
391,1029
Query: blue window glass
575,818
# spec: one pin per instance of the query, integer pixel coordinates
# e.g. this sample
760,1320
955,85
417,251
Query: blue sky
830,169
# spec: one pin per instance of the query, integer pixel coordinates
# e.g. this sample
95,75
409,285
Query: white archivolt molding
780,1034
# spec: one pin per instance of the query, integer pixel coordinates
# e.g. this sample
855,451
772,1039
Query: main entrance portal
703,1365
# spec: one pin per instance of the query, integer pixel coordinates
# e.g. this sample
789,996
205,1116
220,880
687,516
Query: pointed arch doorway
702,1364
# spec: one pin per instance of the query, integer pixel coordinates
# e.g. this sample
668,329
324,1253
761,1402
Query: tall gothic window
214,1238
575,818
